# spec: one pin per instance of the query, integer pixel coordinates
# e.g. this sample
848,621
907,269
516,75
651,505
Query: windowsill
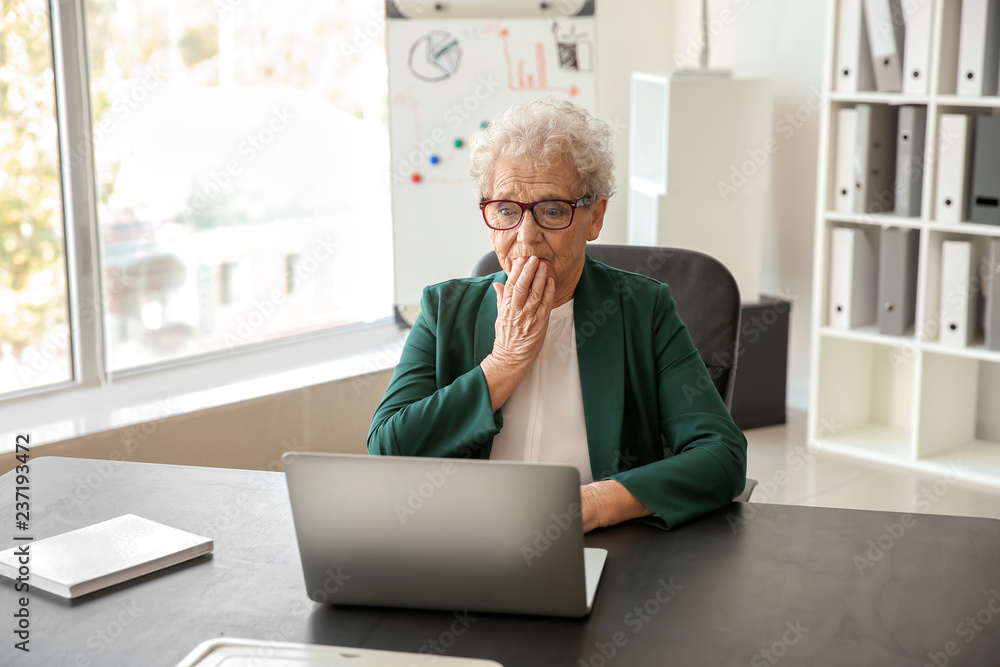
188,387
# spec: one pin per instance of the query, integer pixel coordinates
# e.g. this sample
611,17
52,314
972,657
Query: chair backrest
707,297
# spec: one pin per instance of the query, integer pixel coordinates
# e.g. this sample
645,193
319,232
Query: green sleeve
708,466
418,416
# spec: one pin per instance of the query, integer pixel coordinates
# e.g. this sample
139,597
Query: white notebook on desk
104,554
233,652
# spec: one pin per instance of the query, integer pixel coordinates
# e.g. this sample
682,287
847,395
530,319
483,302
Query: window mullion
83,249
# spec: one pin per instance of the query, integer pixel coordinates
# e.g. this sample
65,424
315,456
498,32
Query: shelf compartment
873,442
978,461
960,419
865,398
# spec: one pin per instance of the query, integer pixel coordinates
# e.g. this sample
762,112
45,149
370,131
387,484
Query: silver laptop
449,534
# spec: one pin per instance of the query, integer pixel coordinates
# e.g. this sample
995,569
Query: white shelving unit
903,400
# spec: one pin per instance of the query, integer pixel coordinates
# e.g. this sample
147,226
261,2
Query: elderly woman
499,367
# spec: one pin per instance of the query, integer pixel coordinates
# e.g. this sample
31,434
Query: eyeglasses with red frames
553,214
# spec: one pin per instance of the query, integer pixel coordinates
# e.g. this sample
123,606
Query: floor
790,474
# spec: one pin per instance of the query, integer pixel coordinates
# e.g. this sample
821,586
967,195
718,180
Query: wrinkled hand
592,507
523,307
608,502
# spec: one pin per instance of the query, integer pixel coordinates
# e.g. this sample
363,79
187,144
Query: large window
34,332
240,156
240,159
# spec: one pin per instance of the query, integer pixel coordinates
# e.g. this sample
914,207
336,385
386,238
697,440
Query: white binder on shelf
854,65
875,159
959,301
853,279
978,48
897,280
917,48
847,132
992,288
885,26
910,160
954,150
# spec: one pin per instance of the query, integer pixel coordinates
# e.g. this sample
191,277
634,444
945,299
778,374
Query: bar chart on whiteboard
447,78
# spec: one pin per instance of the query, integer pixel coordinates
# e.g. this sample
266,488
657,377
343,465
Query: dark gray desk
747,585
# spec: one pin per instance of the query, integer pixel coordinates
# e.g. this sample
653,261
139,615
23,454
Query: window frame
362,348
79,187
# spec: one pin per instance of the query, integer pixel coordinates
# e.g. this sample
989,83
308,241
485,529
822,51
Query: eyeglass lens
507,214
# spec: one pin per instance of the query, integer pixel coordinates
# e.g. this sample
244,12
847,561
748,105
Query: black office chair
707,297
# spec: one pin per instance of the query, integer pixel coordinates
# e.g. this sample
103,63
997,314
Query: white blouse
543,419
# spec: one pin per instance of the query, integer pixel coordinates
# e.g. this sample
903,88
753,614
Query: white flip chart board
451,69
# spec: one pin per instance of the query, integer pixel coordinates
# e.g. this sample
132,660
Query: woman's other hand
606,503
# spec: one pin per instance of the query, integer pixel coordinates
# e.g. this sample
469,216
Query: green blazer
640,375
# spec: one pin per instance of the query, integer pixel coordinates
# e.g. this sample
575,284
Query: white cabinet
699,168
906,400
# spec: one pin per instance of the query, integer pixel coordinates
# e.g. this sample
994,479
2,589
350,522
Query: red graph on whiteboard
522,75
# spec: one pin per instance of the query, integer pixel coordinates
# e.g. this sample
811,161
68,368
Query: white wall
784,41
632,35
779,39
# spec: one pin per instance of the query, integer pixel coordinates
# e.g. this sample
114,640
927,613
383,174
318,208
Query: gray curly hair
546,132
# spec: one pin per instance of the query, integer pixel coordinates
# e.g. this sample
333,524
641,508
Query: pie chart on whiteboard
435,56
